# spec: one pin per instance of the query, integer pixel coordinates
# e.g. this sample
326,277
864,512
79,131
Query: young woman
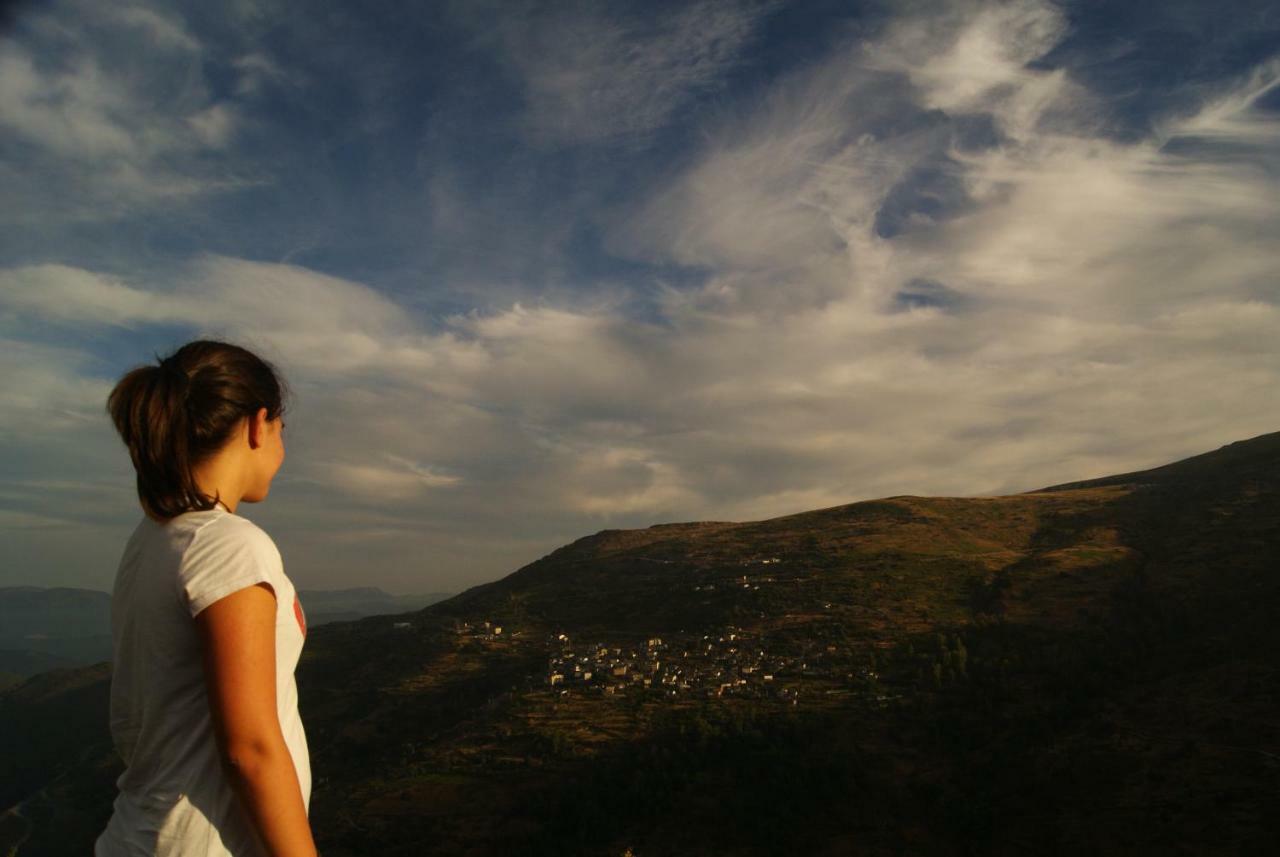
206,627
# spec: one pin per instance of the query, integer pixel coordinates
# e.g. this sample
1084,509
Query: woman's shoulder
227,553
220,520
225,531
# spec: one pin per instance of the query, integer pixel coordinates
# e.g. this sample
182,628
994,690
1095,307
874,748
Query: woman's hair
175,415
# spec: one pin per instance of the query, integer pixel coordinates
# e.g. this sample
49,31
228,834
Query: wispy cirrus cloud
924,262
95,135
400,479
591,75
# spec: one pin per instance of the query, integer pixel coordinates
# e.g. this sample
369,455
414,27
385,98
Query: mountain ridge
1229,460
1232,454
929,675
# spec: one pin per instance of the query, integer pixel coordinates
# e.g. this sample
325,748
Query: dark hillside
1089,667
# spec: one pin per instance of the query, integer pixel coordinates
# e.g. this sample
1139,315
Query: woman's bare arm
238,632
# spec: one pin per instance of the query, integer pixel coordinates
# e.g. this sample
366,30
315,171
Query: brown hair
175,415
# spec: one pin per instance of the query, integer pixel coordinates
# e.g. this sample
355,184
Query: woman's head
201,401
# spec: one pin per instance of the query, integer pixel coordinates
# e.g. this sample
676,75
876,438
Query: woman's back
206,627
175,797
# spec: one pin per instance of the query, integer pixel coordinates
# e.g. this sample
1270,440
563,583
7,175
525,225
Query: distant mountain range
1087,667
45,628
342,605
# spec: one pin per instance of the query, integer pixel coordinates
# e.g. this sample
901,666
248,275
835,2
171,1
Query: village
725,662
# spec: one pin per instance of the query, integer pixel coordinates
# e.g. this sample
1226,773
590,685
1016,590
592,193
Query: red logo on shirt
298,614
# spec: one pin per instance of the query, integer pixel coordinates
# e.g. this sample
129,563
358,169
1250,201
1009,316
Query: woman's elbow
247,757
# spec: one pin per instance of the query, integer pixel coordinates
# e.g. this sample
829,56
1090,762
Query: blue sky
540,269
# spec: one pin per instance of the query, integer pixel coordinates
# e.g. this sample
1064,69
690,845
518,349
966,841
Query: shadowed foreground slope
1087,666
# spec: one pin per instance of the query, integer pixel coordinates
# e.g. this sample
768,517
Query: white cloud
1233,114
1104,307
972,56
258,71
402,480
1076,255
70,112
215,125
86,111
46,389
590,77
162,31
67,294
618,480
102,134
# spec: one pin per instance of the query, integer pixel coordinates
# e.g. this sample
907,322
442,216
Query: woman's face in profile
267,457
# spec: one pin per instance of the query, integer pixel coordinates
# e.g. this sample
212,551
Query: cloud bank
919,264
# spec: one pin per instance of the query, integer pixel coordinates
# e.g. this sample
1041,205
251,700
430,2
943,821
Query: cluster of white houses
719,664
716,664
485,630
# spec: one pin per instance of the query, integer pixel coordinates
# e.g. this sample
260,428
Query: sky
535,270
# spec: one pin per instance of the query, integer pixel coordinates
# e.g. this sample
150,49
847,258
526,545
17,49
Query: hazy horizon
538,270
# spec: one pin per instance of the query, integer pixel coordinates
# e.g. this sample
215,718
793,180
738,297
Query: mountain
22,663
342,605
43,628
1085,667
49,628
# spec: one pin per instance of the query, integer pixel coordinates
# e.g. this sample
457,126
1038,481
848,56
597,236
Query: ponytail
175,415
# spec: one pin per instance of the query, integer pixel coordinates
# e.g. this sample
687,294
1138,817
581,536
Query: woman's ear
257,428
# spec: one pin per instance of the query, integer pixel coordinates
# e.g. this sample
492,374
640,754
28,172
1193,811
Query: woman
206,628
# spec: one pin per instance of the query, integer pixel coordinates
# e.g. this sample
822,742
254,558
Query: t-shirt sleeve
225,556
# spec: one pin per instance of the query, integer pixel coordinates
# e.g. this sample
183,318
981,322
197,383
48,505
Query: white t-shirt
175,798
